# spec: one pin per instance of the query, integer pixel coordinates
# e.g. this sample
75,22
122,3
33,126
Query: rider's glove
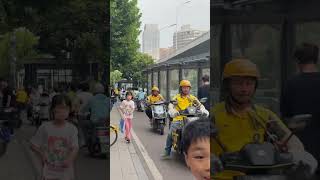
172,111
203,111
305,160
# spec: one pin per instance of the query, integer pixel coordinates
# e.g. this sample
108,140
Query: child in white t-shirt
127,109
56,142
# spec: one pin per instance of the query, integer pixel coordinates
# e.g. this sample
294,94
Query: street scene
265,64
54,97
159,87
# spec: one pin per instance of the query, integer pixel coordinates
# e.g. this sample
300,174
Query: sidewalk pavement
125,162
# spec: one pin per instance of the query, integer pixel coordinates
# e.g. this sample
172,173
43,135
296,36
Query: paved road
19,163
154,143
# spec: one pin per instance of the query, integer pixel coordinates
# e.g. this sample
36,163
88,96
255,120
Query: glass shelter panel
192,76
307,33
215,63
155,79
261,44
174,82
149,82
163,83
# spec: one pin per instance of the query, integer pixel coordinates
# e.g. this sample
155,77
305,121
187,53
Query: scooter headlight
190,119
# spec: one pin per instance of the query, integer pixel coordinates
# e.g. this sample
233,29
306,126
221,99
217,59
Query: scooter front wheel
161,129
113,132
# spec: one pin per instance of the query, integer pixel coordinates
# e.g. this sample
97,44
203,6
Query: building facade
50,73
151,40
185,36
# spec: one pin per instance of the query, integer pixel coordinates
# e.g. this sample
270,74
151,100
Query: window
149,83
215,64
155,79
174,82
261,44
163,83
206,71
309,33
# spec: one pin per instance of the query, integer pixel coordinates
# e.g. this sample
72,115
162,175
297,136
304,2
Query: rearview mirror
298,122
203,100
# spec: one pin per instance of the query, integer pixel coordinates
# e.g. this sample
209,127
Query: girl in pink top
127,109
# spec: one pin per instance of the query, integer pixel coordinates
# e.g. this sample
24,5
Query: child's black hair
129,93
194,131
58,100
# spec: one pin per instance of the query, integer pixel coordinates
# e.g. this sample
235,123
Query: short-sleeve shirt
57,143
183,103
153,99
128,108
237,130
141,95
22,96
301,96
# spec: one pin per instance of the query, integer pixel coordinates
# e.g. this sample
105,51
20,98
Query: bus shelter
191,62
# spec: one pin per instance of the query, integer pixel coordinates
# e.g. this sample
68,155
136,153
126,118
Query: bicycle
113,134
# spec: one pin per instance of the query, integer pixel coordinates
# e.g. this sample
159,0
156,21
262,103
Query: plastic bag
122,126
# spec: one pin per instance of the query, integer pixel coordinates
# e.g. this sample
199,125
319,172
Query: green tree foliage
115,76
140,62
125,23
26,42
83,22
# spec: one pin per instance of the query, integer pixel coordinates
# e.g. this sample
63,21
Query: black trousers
149,113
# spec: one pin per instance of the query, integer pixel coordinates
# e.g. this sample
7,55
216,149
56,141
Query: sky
163,12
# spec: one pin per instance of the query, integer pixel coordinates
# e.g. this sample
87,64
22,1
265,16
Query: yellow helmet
185,83
240,67
155,88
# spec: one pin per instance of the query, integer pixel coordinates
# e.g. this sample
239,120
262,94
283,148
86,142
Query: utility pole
176,39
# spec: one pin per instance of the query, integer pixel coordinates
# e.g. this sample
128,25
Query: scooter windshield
158,109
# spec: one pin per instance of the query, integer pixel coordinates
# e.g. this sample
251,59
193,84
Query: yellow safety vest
153,99
183,102
235,131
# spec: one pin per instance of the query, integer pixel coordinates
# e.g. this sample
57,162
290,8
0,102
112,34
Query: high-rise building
185,36
151,40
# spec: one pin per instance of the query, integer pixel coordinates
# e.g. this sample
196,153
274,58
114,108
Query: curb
142,152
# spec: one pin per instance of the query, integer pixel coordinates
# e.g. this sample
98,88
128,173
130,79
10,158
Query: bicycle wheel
113,135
